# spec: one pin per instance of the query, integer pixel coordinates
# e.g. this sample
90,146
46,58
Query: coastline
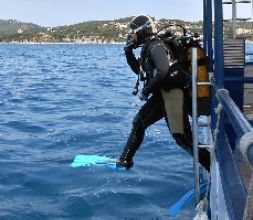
63,43
247,41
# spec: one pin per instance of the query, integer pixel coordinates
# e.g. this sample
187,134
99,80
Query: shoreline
63,43
247,41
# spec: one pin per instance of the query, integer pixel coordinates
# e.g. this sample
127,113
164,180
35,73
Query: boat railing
240,124
234,134
239,202
234,190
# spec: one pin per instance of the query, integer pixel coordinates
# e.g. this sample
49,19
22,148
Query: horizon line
85,21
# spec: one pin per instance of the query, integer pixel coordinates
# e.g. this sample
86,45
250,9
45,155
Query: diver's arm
159,58
131,60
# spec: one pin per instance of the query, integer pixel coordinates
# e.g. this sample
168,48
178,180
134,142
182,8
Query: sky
51,13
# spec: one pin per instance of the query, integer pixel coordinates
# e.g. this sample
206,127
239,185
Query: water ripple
61,100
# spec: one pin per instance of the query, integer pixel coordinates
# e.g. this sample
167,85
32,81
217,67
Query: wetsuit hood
140,29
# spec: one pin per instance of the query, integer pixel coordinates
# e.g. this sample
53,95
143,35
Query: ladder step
202,124
207,146
204,83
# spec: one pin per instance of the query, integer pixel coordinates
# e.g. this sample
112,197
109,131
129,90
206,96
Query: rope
201,215
245,142
216,130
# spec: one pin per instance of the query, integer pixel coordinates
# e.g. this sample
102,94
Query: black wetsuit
156,60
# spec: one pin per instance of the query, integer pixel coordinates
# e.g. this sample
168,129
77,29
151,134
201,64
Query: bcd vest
176,77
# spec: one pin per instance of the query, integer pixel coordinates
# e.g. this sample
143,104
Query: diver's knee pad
173,104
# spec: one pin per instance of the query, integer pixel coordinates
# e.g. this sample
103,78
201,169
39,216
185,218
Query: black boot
132,145
126,159
205,158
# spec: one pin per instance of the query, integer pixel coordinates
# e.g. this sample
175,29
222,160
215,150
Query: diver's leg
176,107
204,154
204,158
151,112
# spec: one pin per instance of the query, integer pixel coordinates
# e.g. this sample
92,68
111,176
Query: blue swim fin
95,160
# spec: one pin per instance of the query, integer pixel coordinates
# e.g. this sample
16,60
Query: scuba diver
166,90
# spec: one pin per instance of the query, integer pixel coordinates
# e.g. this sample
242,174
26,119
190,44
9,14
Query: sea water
58,101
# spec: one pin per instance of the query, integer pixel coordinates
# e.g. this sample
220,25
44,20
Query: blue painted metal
232,185
235,90
238,79
209,29
207,34
235,116
205,30
239,123
218,30
218,56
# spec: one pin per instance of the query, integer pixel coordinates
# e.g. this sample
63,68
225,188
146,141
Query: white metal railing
195,123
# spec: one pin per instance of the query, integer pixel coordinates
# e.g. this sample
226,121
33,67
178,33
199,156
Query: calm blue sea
61,100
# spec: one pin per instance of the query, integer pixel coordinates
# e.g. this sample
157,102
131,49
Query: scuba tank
181,47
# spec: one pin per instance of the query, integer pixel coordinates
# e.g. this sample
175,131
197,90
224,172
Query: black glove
128,49
143,96
131,40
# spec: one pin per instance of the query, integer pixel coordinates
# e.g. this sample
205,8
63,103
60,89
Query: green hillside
9,27
106,31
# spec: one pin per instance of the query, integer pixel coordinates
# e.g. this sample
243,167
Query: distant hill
12,27
107,31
